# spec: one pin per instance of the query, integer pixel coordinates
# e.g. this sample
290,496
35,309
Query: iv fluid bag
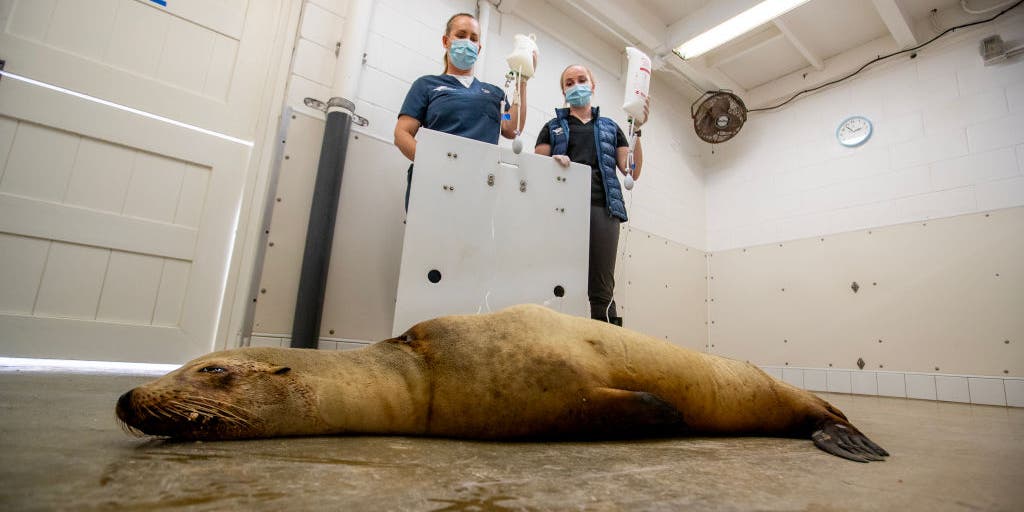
638,82
522,54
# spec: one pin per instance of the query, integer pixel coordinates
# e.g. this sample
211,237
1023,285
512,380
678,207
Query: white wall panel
23,260
661,288
892,384
40,163
72,282
921,386
864,383
154,188
100,177
130,288
1014,392
953,389
137,38
935,304
987,391
171,293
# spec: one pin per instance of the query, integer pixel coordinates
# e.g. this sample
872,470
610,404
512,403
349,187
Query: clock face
854,131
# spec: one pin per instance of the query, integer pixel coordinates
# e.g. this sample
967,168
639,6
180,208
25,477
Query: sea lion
523,372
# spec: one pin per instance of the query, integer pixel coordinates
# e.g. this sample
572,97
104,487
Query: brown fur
525,371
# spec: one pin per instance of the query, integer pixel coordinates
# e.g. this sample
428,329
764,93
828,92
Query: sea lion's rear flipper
619,413
847,442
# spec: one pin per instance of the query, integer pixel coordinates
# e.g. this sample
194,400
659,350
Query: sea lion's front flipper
847,442
610,412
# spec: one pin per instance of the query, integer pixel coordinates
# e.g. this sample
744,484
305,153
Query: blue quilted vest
605,136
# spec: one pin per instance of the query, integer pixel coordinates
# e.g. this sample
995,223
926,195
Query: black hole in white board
559,291
434,276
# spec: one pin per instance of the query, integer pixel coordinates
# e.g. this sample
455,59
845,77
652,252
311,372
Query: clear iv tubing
517,76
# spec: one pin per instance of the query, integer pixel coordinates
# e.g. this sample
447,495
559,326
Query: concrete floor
62,450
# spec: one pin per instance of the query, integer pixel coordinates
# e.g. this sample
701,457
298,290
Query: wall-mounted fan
718,116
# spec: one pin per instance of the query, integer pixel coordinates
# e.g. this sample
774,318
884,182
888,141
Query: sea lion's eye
212,369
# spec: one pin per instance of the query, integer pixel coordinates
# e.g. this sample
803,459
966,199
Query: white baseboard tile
892,384
987,391
1014,392
794,376
864,383
815,380
968,389
952,389
921,386
839,381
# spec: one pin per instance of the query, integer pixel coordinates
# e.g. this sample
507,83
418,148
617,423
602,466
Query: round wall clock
854,131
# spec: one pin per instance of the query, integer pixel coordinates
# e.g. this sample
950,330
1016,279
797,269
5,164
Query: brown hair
448,31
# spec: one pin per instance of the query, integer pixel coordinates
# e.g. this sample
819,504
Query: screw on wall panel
331,332
522,185
874,284
936,368
785,341
1006,341
279,199
1006,371
293,116
997,274
881,366
869,232
879,341
490,180
830,365
783,289
286,157
855,287
337,48
860,363
986,215
263,290
787,363
271,244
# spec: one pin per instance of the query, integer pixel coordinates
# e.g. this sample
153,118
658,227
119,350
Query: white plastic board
491,233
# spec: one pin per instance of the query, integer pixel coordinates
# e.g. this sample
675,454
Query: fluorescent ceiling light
736,26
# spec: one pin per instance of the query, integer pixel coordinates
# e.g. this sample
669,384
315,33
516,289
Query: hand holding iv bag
638,84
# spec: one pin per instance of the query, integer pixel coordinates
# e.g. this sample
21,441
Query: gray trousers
604,245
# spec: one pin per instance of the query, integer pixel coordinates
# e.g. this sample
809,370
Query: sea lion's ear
280,370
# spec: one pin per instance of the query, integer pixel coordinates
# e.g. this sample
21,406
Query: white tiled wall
405,43
949,140
922,386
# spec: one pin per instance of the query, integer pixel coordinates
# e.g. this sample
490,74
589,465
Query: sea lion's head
225,395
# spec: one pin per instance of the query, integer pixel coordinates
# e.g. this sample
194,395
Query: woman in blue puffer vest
579,134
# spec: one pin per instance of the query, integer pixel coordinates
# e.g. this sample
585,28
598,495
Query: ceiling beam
702,76
899,23
741,47
812,58
629,20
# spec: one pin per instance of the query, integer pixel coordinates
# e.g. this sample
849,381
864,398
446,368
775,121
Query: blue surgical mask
578,95
462,54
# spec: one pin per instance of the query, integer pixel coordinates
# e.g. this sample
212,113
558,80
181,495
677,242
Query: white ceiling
812,44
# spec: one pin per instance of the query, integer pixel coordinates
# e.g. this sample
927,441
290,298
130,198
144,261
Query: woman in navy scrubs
455,102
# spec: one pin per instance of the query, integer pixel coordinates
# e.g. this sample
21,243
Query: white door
116,229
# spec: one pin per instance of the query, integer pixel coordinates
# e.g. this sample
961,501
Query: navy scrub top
442,103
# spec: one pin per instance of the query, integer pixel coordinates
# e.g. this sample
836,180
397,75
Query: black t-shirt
583,151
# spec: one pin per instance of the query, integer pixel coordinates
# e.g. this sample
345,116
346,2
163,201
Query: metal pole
320,232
